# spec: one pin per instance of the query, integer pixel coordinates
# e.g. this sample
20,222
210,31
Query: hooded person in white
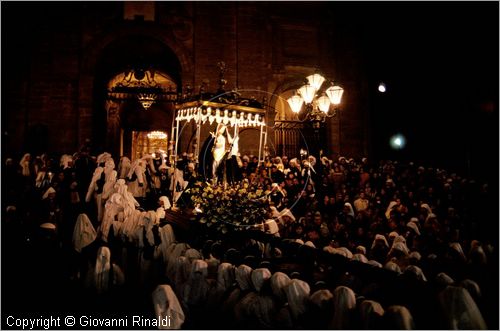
321,303
398,318
25,165
167,307
101,274
178,250
197,287
460,309
167,238
344,301
124,167
84,233
257,308
137,184
109,184
225,280
371,313
112,207
279,282
244,285
291,316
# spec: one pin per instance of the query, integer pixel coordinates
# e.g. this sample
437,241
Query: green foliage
229,208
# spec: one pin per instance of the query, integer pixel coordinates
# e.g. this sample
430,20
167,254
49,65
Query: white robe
84,233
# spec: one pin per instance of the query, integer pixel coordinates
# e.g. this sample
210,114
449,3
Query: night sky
440,64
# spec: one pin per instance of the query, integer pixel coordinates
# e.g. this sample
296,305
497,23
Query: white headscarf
259,276
102,267
167,238
343,301
400,318
380,237
460,309
370,310
49,191
166,202
273,227
351,210
419,274
25,165
297,293
392,266
93,183
279,281
167,305
196,290
178,250
84,233
389,209
225,277
102,158
243,277
286,212
443,279
360,258
321,298
124,167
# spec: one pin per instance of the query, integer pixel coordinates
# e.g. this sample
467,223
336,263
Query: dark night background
440,64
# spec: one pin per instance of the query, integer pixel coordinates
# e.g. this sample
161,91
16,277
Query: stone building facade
59,59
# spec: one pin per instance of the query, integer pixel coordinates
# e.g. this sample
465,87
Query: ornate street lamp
319,105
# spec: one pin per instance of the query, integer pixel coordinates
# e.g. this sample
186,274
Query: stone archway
107,55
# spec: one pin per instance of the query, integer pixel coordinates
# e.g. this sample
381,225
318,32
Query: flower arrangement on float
230,207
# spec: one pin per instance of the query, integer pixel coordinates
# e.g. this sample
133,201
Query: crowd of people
433,233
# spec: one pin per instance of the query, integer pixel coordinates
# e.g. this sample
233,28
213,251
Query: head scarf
297,293
167,238
443,279
320,298
225,276
389,209
460,310
375,263
25,165
259,277
166,202
288,213
84,233
392,266
399,318
49,191
273,227
414,227
243,277
370,311
360,258
167,305
343,301
101,271
472,287
196,290
416,271
279,281
380,238
351,210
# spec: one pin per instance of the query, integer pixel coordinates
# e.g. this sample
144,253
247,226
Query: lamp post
319,104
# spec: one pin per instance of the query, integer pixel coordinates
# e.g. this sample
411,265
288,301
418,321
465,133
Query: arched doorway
291,134
120,122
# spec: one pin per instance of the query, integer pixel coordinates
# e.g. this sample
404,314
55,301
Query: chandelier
319,104
157,135
142,85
